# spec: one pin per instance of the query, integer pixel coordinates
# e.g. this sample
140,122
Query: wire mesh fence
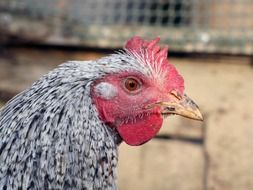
218,26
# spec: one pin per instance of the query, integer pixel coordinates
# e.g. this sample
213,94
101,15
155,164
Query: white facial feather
105,90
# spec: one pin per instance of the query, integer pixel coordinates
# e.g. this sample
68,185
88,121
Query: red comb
151,50
152,54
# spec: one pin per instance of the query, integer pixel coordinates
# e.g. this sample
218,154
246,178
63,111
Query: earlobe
105,90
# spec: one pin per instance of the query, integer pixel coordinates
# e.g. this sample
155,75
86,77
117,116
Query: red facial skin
126,111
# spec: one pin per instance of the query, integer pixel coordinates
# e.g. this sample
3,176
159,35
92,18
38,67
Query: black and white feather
51,136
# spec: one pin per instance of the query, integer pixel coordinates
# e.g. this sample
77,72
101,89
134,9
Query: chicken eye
132,84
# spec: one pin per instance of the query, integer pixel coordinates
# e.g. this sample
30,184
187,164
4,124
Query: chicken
63,132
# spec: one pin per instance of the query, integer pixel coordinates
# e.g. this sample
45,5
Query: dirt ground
215,155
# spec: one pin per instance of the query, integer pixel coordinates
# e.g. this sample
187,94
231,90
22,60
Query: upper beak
183,106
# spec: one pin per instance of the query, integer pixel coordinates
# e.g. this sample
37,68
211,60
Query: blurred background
211,44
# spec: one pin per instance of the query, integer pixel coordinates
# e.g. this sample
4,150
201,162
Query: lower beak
183,106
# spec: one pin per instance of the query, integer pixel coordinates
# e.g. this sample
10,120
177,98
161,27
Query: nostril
169,109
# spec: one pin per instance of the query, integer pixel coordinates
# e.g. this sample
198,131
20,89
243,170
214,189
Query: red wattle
142,131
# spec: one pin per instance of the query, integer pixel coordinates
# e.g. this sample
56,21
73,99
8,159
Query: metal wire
187,25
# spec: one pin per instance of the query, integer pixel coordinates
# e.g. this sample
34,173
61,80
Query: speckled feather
51,134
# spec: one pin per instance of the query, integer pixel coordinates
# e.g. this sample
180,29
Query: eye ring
132,84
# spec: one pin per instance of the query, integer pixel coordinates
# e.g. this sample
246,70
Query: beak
178,105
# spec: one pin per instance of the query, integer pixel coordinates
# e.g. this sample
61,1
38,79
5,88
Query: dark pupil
132,84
